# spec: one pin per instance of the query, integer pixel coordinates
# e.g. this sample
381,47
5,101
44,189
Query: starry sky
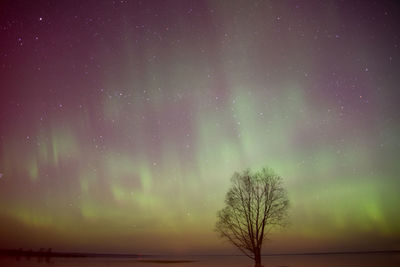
121,122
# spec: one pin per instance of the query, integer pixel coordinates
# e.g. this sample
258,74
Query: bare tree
256,203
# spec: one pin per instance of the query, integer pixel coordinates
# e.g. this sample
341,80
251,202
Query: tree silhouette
255,203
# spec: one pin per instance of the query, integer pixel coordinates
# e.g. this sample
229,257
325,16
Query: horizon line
50,253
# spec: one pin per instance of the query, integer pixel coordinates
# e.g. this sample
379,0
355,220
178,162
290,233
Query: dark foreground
343,260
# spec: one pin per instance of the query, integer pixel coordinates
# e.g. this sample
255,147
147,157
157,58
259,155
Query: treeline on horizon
43,252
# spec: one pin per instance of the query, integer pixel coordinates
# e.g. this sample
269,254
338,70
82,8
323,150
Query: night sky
121,122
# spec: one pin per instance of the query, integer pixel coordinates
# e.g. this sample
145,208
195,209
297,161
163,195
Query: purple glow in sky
121,122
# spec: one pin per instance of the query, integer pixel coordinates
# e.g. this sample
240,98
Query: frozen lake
353,260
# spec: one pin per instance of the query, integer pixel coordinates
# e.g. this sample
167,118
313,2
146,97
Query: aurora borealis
121,122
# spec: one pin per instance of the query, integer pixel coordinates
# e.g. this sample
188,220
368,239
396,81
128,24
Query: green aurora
120,128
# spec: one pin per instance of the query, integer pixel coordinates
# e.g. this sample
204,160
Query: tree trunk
257,257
